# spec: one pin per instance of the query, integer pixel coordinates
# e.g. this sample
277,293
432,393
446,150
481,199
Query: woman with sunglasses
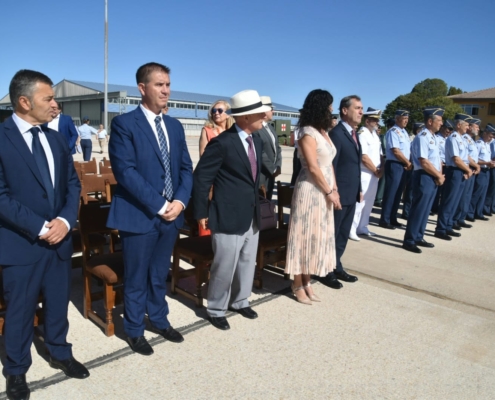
218,121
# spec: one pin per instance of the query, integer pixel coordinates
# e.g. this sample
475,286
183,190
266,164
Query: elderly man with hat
371,171
271,160
398,154
482,179
489,207
456,174
467,194
427,176
232,164
442,135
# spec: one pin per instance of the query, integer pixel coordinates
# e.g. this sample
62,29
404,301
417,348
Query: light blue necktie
169,189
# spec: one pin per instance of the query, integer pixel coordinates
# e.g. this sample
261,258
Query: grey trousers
232,271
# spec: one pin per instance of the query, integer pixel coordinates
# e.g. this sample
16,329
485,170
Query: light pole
105,98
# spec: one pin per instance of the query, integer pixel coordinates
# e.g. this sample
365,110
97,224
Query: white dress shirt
243,135
53,124
24,127
347,127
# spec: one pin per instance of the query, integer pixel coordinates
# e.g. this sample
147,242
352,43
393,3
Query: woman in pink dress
311,240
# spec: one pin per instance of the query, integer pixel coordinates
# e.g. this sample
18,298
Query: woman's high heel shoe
306,301
312,296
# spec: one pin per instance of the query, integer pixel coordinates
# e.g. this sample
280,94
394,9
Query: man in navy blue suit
151,163
64,124
39,200
347,167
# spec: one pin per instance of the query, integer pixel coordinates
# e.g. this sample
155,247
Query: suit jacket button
44,195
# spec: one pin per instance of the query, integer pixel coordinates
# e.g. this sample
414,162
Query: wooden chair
93,187
85,167
272,243
105,169
105,268
196,251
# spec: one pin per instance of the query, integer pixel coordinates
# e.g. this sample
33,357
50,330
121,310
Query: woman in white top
102,137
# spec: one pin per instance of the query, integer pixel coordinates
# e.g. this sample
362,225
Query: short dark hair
346,102
315,111
23,83
144,71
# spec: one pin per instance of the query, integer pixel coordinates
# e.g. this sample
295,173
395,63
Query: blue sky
377,49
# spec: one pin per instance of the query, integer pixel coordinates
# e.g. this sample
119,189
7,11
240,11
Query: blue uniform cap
448,124
418,125
463,117
475,121
401,113
431,111
490,128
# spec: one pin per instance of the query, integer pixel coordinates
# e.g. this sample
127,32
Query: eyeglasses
215,110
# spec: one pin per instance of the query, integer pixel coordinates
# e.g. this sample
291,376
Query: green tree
430,88
453,90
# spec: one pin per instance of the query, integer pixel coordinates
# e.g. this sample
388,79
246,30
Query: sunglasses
215,110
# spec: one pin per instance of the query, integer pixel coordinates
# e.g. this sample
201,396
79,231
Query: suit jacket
138,168
272,155
235,202
67,128
24,206
347,165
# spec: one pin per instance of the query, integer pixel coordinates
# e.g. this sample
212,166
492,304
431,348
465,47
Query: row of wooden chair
92,167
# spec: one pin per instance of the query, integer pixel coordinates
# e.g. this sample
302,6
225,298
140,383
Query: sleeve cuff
163,209
44,229
65,222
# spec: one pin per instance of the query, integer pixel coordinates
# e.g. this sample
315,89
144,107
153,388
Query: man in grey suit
271,159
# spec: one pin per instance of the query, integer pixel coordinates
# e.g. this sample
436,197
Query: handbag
268,218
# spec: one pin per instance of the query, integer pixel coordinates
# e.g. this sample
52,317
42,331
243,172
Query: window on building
471,109
491,109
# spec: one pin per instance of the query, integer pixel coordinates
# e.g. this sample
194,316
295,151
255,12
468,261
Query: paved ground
412,327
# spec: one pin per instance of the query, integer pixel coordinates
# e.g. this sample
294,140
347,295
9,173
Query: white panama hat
247,102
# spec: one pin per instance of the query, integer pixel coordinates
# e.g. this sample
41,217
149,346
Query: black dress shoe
220,323
488,214
331,281
471,219
424,243
386,226
411,247
140,345
442,236
344,276
454,234
480,218
17,388
462,224
70,367
397,224
456,227
246,312
170,334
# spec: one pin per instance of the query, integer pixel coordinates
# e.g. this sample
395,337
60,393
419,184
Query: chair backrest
284,199
105,169
93,187
89,167
92,219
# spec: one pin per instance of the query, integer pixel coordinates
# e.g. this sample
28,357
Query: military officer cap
418,125
401,113
463,117
372,113
490,128
431,111
475,121
448,124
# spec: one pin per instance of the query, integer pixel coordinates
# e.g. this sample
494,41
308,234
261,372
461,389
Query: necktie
354,137
169,189
42,163
252,157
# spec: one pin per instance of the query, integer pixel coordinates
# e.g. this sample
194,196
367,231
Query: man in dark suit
39,199
231,163
271,160
151,163
347,169
64,124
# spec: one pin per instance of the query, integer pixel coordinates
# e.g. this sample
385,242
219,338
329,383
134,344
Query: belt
455,168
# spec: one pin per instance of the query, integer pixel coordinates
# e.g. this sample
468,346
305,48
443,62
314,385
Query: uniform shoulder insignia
424,133
454,135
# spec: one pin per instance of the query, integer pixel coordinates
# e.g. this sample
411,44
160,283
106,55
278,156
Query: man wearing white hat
371,172
271,160
232,164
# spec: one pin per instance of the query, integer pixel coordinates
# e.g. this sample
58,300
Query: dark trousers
454,185
479,194
408,193
296,167
86,147
490,194
466,196
381,190
394,185
343,222
146,265
22,285
424,189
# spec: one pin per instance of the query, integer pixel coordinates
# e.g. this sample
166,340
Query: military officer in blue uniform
442,135
408,194
427,176
398,153
467,194
489,207
482,179
457,172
